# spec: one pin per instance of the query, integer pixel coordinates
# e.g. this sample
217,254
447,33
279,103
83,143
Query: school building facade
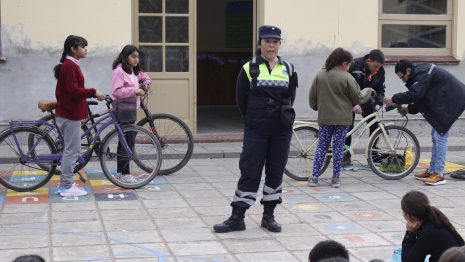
194,49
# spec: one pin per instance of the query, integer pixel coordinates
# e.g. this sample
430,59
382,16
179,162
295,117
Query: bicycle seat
47,105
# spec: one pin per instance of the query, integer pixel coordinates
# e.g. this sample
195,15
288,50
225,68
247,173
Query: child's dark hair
376,55
71,41
29,258
328,249
416,204
334,259
338,57
123,60
402,66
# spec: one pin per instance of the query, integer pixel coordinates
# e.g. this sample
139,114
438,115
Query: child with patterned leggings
334,92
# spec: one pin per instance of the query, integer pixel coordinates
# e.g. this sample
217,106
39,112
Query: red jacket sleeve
73,81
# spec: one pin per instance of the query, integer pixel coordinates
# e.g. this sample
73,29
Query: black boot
234,223
268,221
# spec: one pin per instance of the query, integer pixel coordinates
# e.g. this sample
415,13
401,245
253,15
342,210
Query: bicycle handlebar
108,101
92,102
392,107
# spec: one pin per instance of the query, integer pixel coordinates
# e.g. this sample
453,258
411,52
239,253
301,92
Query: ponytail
440,220
71,41
57,68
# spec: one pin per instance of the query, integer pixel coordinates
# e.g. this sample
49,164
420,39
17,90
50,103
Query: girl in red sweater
71,109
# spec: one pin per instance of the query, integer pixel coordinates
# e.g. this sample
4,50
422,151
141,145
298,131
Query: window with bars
163,37
415,27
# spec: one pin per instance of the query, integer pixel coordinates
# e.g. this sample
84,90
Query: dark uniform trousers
266,143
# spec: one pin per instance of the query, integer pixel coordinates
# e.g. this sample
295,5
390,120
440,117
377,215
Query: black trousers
266,144
122,157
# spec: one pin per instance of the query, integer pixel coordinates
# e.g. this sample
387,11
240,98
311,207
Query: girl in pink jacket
125,81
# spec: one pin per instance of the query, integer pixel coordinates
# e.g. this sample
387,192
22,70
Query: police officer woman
265,92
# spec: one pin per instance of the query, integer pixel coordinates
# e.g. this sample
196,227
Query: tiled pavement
171,219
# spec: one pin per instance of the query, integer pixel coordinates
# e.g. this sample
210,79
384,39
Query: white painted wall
41,24
313,28
330,23
33,32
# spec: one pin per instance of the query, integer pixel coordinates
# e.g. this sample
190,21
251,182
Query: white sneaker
74,190
129,179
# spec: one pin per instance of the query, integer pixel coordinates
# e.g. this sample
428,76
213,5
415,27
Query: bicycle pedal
81,177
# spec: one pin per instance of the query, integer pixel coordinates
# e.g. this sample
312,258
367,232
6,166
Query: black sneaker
347,161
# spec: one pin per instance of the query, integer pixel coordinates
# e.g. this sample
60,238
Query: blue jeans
438,152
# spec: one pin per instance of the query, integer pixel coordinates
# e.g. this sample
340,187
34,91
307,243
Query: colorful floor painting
99,188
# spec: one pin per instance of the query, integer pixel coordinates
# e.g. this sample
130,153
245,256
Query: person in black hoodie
429,231
369,72
440,98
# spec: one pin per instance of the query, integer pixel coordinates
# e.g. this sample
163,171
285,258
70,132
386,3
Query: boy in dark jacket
368,71
440,98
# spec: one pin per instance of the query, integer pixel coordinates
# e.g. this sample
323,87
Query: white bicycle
392,151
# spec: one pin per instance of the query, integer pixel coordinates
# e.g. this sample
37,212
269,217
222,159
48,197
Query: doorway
224,44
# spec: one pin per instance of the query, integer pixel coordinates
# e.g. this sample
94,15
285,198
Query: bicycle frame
370,120
52,158
147,113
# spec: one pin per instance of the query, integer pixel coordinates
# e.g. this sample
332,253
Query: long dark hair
71,41
123,60
416,204
337,57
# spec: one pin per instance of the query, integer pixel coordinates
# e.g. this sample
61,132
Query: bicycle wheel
302,154
396,162
176,141
141,167
27,174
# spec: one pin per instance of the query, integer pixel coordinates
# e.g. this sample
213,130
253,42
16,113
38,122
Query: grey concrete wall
27,76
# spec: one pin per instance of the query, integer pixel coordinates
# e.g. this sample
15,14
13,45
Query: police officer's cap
269,31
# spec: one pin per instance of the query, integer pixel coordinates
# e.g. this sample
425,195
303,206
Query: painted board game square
115,197
31,178
94,171
27,199
158,181
110,189
56,198
100,182
156,188
39,191
334,197
29,173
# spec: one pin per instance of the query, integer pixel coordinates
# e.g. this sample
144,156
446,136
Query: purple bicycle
29,156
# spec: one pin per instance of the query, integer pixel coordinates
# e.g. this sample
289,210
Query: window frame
164,44
409,19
